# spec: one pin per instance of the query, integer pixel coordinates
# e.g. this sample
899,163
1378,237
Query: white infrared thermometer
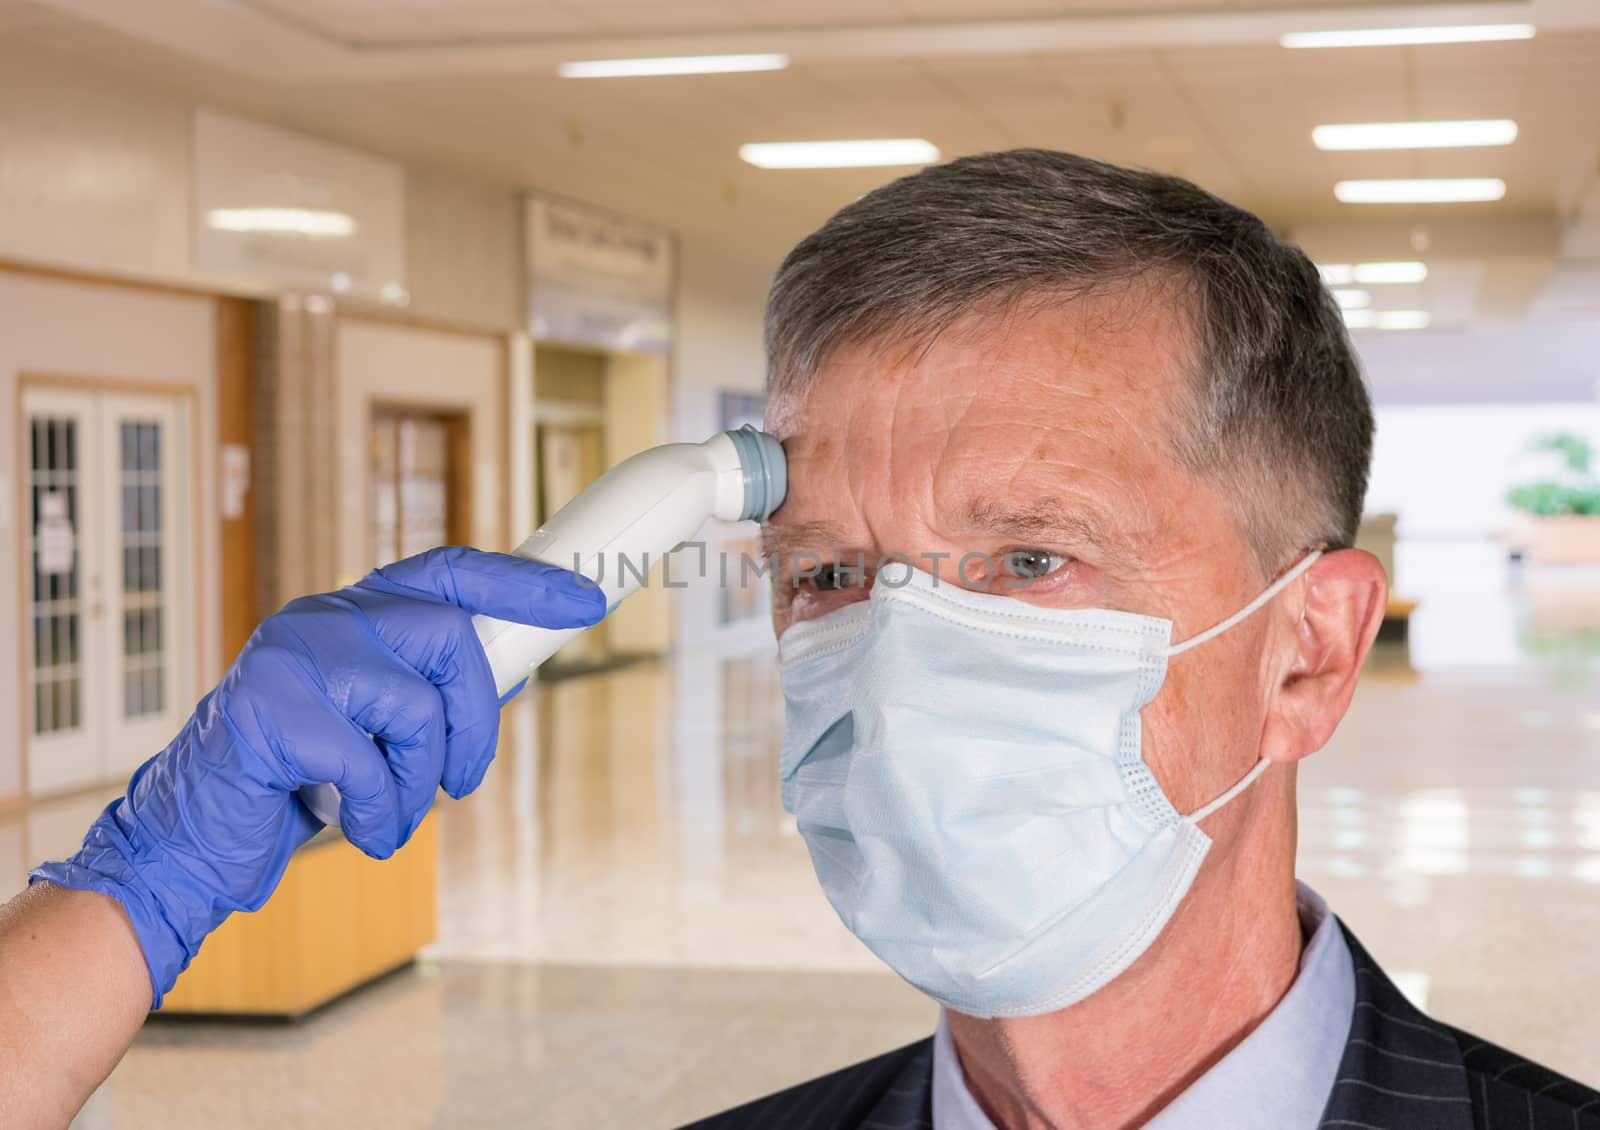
615,530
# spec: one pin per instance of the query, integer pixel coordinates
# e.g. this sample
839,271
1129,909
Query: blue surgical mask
966,771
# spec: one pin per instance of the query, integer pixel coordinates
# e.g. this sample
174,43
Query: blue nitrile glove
207,825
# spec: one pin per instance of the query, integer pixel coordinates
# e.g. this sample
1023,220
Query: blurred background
290,288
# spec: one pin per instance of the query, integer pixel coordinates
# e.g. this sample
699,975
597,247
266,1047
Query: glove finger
378,656
405,715
316,681
500,585
472,719
436,641
316,743
369,804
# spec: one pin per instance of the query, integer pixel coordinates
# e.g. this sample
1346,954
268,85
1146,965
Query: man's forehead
1085,361
1048,427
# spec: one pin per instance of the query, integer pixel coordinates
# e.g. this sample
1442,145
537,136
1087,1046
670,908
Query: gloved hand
208,825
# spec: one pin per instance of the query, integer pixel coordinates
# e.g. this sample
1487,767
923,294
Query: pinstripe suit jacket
1401,1071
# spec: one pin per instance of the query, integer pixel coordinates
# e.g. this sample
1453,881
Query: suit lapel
1400,1070
907,1102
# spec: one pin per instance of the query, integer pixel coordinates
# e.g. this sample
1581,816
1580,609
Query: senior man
1076,455
1048,772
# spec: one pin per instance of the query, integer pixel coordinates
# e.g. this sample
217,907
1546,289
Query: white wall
1457,409
95,176
54,327
720,305
463,249
721,301
1445,469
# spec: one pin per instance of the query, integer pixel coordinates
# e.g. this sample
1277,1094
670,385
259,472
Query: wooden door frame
237,324
39,379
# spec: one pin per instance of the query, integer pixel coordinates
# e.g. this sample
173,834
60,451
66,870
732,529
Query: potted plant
1561,512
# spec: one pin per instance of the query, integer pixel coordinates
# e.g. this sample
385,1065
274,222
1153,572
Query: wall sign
597,279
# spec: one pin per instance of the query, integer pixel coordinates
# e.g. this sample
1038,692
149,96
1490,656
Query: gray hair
1278,406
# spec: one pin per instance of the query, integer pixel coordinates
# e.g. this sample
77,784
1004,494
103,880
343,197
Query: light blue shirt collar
1277,1078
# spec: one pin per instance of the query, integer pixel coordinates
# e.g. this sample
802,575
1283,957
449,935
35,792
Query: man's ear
1345,595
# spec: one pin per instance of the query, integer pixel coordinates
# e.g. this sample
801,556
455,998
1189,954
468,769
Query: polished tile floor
630,934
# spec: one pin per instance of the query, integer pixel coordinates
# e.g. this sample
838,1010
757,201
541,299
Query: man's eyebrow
781,537
1048,520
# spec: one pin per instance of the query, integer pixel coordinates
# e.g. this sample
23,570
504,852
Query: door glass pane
144,595
382,472
424,491
54,482
409,471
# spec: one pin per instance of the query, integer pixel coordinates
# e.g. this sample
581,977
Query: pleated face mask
966,771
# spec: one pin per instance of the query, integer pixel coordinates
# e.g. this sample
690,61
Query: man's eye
1031,564
832,578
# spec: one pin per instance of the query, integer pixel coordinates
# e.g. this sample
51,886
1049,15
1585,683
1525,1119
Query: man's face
1042,440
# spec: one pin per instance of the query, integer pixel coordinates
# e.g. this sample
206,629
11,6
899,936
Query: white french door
110,581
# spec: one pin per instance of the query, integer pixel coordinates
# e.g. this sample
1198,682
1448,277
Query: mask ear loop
1255,605
1213,632
1239,786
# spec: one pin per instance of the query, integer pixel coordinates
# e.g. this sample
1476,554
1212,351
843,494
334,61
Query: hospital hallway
630,934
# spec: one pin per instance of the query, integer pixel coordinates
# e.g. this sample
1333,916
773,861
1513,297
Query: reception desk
338,920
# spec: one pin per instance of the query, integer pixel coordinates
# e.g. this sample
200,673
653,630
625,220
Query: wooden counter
337,920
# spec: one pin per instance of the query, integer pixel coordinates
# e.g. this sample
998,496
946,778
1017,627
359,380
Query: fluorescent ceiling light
1352,299
1427,190
1394,36
673,65
839,154
1372,274
1358,319
1401,320
1415,135
281,221
1379,274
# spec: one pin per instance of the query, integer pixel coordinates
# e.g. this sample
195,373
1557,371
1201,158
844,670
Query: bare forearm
73,991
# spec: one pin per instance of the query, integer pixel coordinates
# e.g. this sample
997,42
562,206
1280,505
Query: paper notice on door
235,479
55,541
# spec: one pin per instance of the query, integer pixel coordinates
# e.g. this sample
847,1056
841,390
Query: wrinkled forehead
1106,376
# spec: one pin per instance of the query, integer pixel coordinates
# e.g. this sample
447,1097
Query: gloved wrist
202,831
110,862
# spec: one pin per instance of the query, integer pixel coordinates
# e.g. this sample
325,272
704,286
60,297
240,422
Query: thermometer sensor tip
766,473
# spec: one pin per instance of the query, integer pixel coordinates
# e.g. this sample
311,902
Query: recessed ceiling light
1415,135
839,154
673,65
1352,299
1372,274
1395,36
281,221
1427,190
1401,320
